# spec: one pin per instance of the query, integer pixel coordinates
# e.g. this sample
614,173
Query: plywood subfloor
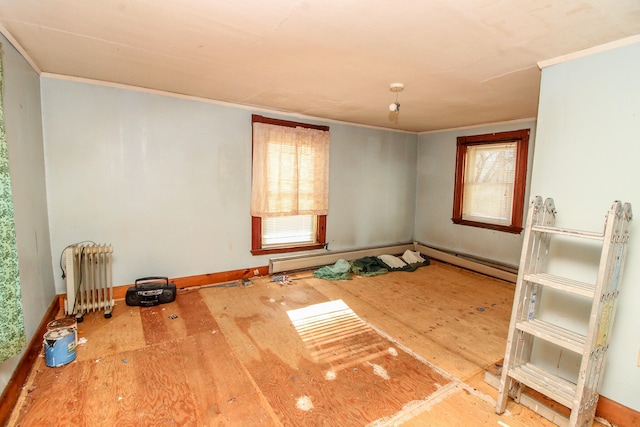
402,348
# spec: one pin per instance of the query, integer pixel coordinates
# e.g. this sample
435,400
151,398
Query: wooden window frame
256,221
521,137
256,238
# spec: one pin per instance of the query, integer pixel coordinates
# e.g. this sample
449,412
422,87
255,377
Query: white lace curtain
290,171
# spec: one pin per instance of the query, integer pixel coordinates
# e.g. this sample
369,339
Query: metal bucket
59,347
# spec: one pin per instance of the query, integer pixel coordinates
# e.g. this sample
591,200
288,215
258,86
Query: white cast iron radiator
89,279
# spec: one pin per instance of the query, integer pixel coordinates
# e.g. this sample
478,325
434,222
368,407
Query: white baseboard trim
316,260
467,263
309,261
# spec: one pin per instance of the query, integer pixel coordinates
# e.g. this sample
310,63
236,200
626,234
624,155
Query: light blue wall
23,125
587,152
166,180
434,198
373,185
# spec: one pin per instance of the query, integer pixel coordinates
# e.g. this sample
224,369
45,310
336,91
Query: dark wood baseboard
119,292
13,389
616,413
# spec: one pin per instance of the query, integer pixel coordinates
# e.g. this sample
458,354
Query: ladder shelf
562,283
566,232
558,389
554,334
519,371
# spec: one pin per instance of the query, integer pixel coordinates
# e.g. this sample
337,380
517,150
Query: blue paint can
65,322
59,347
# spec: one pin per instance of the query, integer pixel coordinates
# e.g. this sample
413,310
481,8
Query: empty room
319,213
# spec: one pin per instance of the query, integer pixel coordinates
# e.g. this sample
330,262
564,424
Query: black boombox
151,291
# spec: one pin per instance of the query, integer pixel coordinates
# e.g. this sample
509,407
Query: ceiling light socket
396,87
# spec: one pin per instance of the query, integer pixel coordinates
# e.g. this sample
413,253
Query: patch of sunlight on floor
334,334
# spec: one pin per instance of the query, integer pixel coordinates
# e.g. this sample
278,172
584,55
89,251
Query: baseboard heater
507,273
311,261
306,262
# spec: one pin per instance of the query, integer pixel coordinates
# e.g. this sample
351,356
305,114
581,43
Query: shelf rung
558,389
567,232
554,334
562,283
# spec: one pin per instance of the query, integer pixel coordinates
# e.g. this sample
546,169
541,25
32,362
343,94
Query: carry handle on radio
152,279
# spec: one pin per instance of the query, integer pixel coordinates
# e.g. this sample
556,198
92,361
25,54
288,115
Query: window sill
287,249
504,228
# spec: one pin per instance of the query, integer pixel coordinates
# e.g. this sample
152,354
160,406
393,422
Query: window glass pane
282,230
489,182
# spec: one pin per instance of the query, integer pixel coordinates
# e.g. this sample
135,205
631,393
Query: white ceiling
463,62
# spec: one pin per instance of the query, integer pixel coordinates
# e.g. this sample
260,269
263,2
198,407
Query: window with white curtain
491,180
290,185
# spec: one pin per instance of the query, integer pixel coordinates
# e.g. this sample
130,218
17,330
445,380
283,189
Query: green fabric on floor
341,270
368,266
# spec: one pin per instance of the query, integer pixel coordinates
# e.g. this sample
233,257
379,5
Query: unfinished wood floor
398,349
